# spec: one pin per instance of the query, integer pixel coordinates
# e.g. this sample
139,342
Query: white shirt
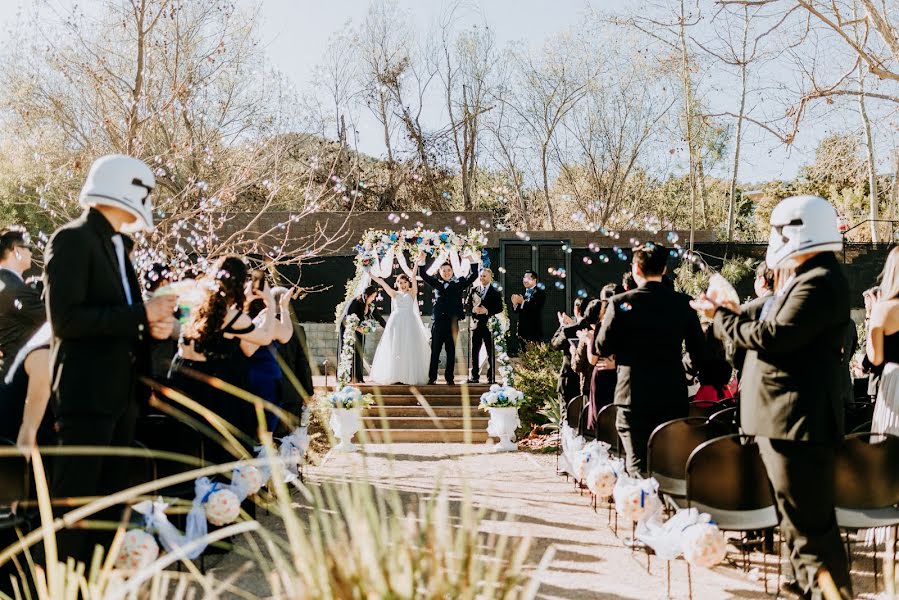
120,254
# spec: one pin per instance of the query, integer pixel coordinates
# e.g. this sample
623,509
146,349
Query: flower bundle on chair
637,499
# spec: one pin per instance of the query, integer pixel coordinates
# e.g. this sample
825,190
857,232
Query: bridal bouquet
501,397
348,397
367,326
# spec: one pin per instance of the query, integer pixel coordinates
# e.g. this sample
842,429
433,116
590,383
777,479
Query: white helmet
802,224
124,182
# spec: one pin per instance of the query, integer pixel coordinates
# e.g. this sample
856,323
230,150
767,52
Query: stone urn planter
346,423
503,423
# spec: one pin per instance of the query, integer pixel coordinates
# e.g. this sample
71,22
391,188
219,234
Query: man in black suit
791,396
362,306
448,310
101,334
485,301
529,307
645,330
22,311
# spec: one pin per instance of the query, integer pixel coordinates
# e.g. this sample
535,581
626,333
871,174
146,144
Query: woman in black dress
215,342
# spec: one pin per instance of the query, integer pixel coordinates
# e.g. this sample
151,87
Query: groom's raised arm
429,279
469,279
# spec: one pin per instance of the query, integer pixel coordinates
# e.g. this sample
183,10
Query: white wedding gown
404,351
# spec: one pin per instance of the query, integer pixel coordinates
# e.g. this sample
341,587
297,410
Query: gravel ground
531,501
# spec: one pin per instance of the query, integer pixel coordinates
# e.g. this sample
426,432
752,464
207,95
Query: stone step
476,423
415,410
426,390
378,436
410,400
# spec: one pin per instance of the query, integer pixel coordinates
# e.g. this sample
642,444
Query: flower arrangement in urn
502,402
346,406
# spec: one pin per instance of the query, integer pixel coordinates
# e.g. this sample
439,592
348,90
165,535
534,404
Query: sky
296,33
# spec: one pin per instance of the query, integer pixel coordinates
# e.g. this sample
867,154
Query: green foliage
553,413
536,375
693,280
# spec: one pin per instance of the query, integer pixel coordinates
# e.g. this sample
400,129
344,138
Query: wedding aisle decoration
348,347
499,327
379,250
214,502
689,533
502,402
346,406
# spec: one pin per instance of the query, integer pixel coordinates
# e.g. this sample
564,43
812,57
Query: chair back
867,472
727,474
702,409
162,433
606,431
727,418
14,475
671,444
573,411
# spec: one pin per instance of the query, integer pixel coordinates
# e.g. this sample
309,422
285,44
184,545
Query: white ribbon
169,537
438,262
364,282
293,452
401,259
385,265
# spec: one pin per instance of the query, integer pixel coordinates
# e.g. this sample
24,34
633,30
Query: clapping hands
161,315
517,299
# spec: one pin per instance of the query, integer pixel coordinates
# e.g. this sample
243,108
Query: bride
402,354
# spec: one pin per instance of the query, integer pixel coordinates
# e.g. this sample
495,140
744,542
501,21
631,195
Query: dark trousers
481,336
634,430
802,478
80,476
443,338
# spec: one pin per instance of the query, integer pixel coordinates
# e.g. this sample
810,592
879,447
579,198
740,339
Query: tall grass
321,539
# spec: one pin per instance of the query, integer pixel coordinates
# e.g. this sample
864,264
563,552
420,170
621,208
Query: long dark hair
228,277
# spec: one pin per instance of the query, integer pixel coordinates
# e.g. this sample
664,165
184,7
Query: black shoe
432,382
474,380
792,587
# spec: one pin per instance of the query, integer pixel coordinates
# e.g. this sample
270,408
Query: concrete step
410,400
476,423
415,410
427,391
377,436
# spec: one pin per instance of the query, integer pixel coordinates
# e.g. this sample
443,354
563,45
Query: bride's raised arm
414,280
390,291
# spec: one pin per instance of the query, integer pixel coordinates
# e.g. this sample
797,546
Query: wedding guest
363,307
763,284
871,296
791,397
529,307
22,311
604,378
101,333
645,330
716,376
215,342
568,384
584,359
485,301
161,351
296,390
882,347
447,311
263,371
25,394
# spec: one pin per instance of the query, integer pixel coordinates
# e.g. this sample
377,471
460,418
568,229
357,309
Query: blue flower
444,237
393,237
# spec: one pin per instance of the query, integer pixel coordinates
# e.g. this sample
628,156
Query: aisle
590,561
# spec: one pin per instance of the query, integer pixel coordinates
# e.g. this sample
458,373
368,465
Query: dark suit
530,316
645,329
357,307
22,312
792,400
447,312
492,300
753,310
569,383
99,349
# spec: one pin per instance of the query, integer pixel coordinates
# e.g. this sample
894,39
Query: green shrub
536,375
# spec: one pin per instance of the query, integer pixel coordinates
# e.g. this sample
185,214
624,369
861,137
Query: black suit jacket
448,302
645,330
792,379
100,343
492,301
356,306
22,312
753,310
530,316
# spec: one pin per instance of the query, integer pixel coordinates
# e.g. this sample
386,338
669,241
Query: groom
445,321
